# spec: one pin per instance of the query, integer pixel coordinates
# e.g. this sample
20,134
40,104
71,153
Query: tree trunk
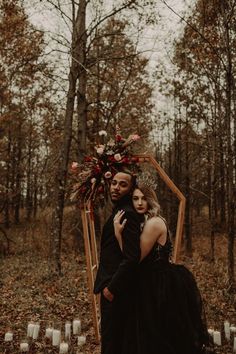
28,201
35,192
81,92
6,208
230,176
61,175
188,236
210,183
18,177
222,184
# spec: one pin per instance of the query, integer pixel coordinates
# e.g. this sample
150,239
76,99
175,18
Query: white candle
24,347
68,330
210,331
8,337
56,337
232,329
234,347
227,330
81,340
217,337
36,331
30,330
64,348
48,333
76,327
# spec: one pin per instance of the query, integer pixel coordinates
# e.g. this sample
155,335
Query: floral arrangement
92,178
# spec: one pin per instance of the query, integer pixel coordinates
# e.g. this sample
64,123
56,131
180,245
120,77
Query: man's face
120,186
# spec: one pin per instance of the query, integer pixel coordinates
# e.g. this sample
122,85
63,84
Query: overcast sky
157,41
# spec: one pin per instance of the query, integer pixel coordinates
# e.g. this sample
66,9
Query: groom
117,271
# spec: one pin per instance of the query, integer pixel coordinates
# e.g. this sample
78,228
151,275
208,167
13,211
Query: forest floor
29,291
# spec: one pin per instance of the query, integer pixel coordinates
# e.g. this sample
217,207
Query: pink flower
135,137
117,157
74,166
108,174
130,140
100,149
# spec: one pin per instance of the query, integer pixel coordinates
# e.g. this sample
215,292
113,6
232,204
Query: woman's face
139,202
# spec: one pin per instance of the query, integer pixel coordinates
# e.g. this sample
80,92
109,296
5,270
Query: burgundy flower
126,160
97,170
118,137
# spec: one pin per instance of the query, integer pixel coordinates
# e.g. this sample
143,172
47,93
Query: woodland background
58,92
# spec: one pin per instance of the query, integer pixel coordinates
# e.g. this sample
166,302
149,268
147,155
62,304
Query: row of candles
52,333
228,329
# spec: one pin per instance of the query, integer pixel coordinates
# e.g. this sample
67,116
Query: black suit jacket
117,269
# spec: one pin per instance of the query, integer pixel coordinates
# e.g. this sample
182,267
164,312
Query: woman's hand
119,226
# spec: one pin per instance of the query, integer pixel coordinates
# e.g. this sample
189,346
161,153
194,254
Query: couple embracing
148,304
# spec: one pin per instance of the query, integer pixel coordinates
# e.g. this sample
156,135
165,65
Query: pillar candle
30,330
227,330
210,331
48,332
24,347
68,330
81,340
76,326
56,337
8,337
217,337
63,348
234,347
36,331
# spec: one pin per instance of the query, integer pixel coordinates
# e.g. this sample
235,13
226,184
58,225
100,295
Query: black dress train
169,316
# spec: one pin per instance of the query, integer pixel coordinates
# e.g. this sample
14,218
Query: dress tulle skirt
169,316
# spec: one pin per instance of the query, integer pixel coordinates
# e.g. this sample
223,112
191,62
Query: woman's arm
154,231
119,227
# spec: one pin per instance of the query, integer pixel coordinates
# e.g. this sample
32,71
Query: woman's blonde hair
154,208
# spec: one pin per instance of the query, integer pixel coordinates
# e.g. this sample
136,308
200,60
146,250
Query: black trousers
118,326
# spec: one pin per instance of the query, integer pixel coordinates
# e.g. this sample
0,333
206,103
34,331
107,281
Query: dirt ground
29,292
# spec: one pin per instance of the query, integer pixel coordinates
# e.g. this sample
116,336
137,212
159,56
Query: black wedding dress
168,316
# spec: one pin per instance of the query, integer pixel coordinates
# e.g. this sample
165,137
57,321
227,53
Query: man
117,272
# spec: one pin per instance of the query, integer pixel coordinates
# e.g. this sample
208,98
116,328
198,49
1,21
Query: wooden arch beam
181,212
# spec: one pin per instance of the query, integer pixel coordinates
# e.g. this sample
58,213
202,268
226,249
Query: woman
169,317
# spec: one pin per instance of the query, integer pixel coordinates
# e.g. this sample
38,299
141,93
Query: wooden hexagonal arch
87,217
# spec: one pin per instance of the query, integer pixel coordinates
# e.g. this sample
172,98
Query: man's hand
107,294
